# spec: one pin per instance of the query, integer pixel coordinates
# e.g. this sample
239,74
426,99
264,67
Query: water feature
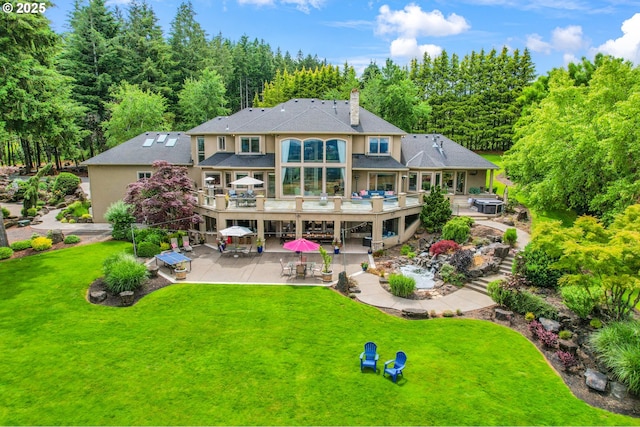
422,276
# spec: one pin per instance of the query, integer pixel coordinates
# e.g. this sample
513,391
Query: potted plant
336,246
259,245
180,270
327,273
364,265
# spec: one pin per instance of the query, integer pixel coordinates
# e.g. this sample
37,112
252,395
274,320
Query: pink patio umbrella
301,245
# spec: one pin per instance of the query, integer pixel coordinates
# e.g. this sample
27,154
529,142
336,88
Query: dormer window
250,144
379,145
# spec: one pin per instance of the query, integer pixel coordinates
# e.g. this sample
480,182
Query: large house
327,170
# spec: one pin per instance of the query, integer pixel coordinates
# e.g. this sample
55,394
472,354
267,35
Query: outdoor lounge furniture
174,244
185,244
287,269
397,367
369,357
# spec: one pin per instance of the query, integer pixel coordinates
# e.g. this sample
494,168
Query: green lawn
253,355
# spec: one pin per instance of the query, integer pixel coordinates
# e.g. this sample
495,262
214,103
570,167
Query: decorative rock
343,283
550,325
618,390
127,298
501,251
596,380
568,346
503,315
56,236
521,214
415,313
97,296
153,271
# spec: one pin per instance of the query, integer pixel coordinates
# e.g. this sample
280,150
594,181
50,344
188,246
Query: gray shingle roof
420,151
362,161
133,151
295,116
231,160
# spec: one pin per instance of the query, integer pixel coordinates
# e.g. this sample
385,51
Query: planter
181,274
336,250
259,248
327,276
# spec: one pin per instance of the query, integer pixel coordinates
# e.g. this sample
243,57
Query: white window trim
240,152
223,146
143,174
388,153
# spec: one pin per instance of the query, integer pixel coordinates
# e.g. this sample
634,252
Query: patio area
208,266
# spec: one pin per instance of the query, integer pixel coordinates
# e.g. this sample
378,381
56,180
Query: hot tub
489,206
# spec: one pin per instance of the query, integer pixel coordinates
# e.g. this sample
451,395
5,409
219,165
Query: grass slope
253,355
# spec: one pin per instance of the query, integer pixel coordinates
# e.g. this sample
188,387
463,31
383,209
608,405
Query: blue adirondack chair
398,366
369,357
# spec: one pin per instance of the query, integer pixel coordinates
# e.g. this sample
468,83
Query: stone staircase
480,284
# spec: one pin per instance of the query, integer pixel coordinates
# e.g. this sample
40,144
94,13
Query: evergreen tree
436,210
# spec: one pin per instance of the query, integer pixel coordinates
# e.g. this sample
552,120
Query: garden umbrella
247,180
301,245
236,231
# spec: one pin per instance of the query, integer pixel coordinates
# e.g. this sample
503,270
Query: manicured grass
253,355
495,158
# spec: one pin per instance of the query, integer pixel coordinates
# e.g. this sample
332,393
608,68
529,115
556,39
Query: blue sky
360,31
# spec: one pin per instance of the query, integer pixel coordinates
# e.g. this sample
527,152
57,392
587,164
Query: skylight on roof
162,137
171,142
148,142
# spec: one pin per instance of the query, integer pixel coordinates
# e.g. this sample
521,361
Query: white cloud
258,2
413,22
627,46
536,44
567,39
409,48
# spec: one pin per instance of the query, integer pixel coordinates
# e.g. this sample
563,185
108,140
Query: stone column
376,204
299,200
337,204
260,200
201,199
402,200
221,203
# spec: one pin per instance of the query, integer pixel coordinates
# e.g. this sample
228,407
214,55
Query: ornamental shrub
119,214
520,301
581,301
618,347
449,275
147,249
71,239
21,245
447,313
66,182
31,212
565,335
405,249
5,213
123,273
457,229
510,236
5,252
498,293
436,210
401,286
548,338
461,260
535,265
41,243
443,247
567,359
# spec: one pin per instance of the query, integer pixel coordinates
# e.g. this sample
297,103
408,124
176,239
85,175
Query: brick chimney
354,107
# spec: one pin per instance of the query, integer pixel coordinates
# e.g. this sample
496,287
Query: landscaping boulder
127,298
97,296
501,251
596,380
153,271
415,313
57,236
619,390
343,283
503,315
550,325
568,346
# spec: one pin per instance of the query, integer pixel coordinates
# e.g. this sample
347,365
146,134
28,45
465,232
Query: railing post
377,204
402,200
337,204
221,202
260,203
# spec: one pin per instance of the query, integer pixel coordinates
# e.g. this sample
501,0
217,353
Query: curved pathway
372,293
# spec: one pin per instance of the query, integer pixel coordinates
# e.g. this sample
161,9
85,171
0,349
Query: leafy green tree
202,99
436,210
607,258
134,111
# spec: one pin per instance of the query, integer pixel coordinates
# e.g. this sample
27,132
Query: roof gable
435,151
146,148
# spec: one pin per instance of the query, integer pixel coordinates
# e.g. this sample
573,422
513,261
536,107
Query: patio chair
369,357
287,269
316,269
233,194
398,366
174,244
185,244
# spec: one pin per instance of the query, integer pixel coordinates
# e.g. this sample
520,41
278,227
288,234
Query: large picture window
313,166
250,144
